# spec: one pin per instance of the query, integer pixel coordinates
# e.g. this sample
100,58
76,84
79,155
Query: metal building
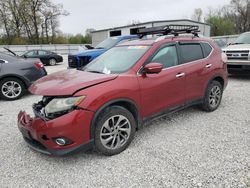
100,35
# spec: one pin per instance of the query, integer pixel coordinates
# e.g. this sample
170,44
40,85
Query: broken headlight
62,104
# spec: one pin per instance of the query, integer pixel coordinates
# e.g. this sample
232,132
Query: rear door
197,66
166,89
44,56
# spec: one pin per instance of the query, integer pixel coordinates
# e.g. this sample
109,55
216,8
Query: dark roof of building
150,22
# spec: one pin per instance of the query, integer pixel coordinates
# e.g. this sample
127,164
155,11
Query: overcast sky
102,14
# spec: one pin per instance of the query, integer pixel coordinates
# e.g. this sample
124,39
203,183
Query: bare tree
197,16
242,14
30,19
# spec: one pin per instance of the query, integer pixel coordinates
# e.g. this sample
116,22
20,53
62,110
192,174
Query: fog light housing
62,141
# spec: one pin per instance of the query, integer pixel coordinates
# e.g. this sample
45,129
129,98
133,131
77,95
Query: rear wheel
212,98
52,62
114,131
11,88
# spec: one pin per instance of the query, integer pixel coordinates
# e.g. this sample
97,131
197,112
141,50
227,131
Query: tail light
224,57
38,65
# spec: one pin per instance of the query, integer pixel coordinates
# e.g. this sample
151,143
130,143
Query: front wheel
213,96
114,131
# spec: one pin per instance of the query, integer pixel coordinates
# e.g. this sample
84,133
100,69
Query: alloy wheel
214,96
115,132
11,89
52,62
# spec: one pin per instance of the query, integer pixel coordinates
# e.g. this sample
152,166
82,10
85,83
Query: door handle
208,65
179,75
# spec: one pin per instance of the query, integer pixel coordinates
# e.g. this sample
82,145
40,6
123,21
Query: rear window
191,52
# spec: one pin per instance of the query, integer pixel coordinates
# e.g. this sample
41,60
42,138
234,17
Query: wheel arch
24,81
218,78
128,104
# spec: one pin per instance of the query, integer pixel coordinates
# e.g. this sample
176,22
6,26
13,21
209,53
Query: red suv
103,104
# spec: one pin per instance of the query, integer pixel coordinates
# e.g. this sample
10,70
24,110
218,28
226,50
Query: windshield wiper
237,43
94,71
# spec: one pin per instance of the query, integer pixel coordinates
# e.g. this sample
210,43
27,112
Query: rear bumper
40,134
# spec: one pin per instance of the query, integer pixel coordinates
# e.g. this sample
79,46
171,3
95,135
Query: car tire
213,96
52,62
115,129
11,88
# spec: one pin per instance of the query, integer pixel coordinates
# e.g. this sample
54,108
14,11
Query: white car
238,53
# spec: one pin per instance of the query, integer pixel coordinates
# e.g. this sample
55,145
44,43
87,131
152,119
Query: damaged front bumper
40,134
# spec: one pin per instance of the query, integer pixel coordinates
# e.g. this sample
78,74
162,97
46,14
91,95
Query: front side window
191,52
31,53
116,60
167,56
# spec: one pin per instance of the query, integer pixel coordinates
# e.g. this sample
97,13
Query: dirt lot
190,148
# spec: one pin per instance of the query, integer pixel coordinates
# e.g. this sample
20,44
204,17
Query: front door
165,89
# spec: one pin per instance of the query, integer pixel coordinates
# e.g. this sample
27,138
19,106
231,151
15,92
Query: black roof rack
169,30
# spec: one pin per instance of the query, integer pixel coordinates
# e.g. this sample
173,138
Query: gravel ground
190,148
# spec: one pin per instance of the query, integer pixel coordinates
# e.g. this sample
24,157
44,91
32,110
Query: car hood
93,52
238,47
68,82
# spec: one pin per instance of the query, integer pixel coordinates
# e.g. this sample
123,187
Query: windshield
117,60
243,39
108,43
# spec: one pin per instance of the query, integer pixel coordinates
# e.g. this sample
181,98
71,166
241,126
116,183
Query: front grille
72,61
238,55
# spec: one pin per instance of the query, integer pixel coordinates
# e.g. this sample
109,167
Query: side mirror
153,68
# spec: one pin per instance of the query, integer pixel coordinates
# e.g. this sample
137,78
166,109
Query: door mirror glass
153,68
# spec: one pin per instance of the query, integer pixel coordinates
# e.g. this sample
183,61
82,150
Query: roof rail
169,30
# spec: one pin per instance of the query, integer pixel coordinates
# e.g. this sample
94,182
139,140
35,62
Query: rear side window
191,52
207,49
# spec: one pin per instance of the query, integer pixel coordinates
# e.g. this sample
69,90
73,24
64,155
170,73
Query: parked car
238,54
81,59
17,74
46,57
103,104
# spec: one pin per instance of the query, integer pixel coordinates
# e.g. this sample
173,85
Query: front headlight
62,104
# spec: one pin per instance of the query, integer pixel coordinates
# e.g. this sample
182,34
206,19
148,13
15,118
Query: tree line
30,21
233,18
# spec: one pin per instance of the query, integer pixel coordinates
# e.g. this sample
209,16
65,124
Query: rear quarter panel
22,70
